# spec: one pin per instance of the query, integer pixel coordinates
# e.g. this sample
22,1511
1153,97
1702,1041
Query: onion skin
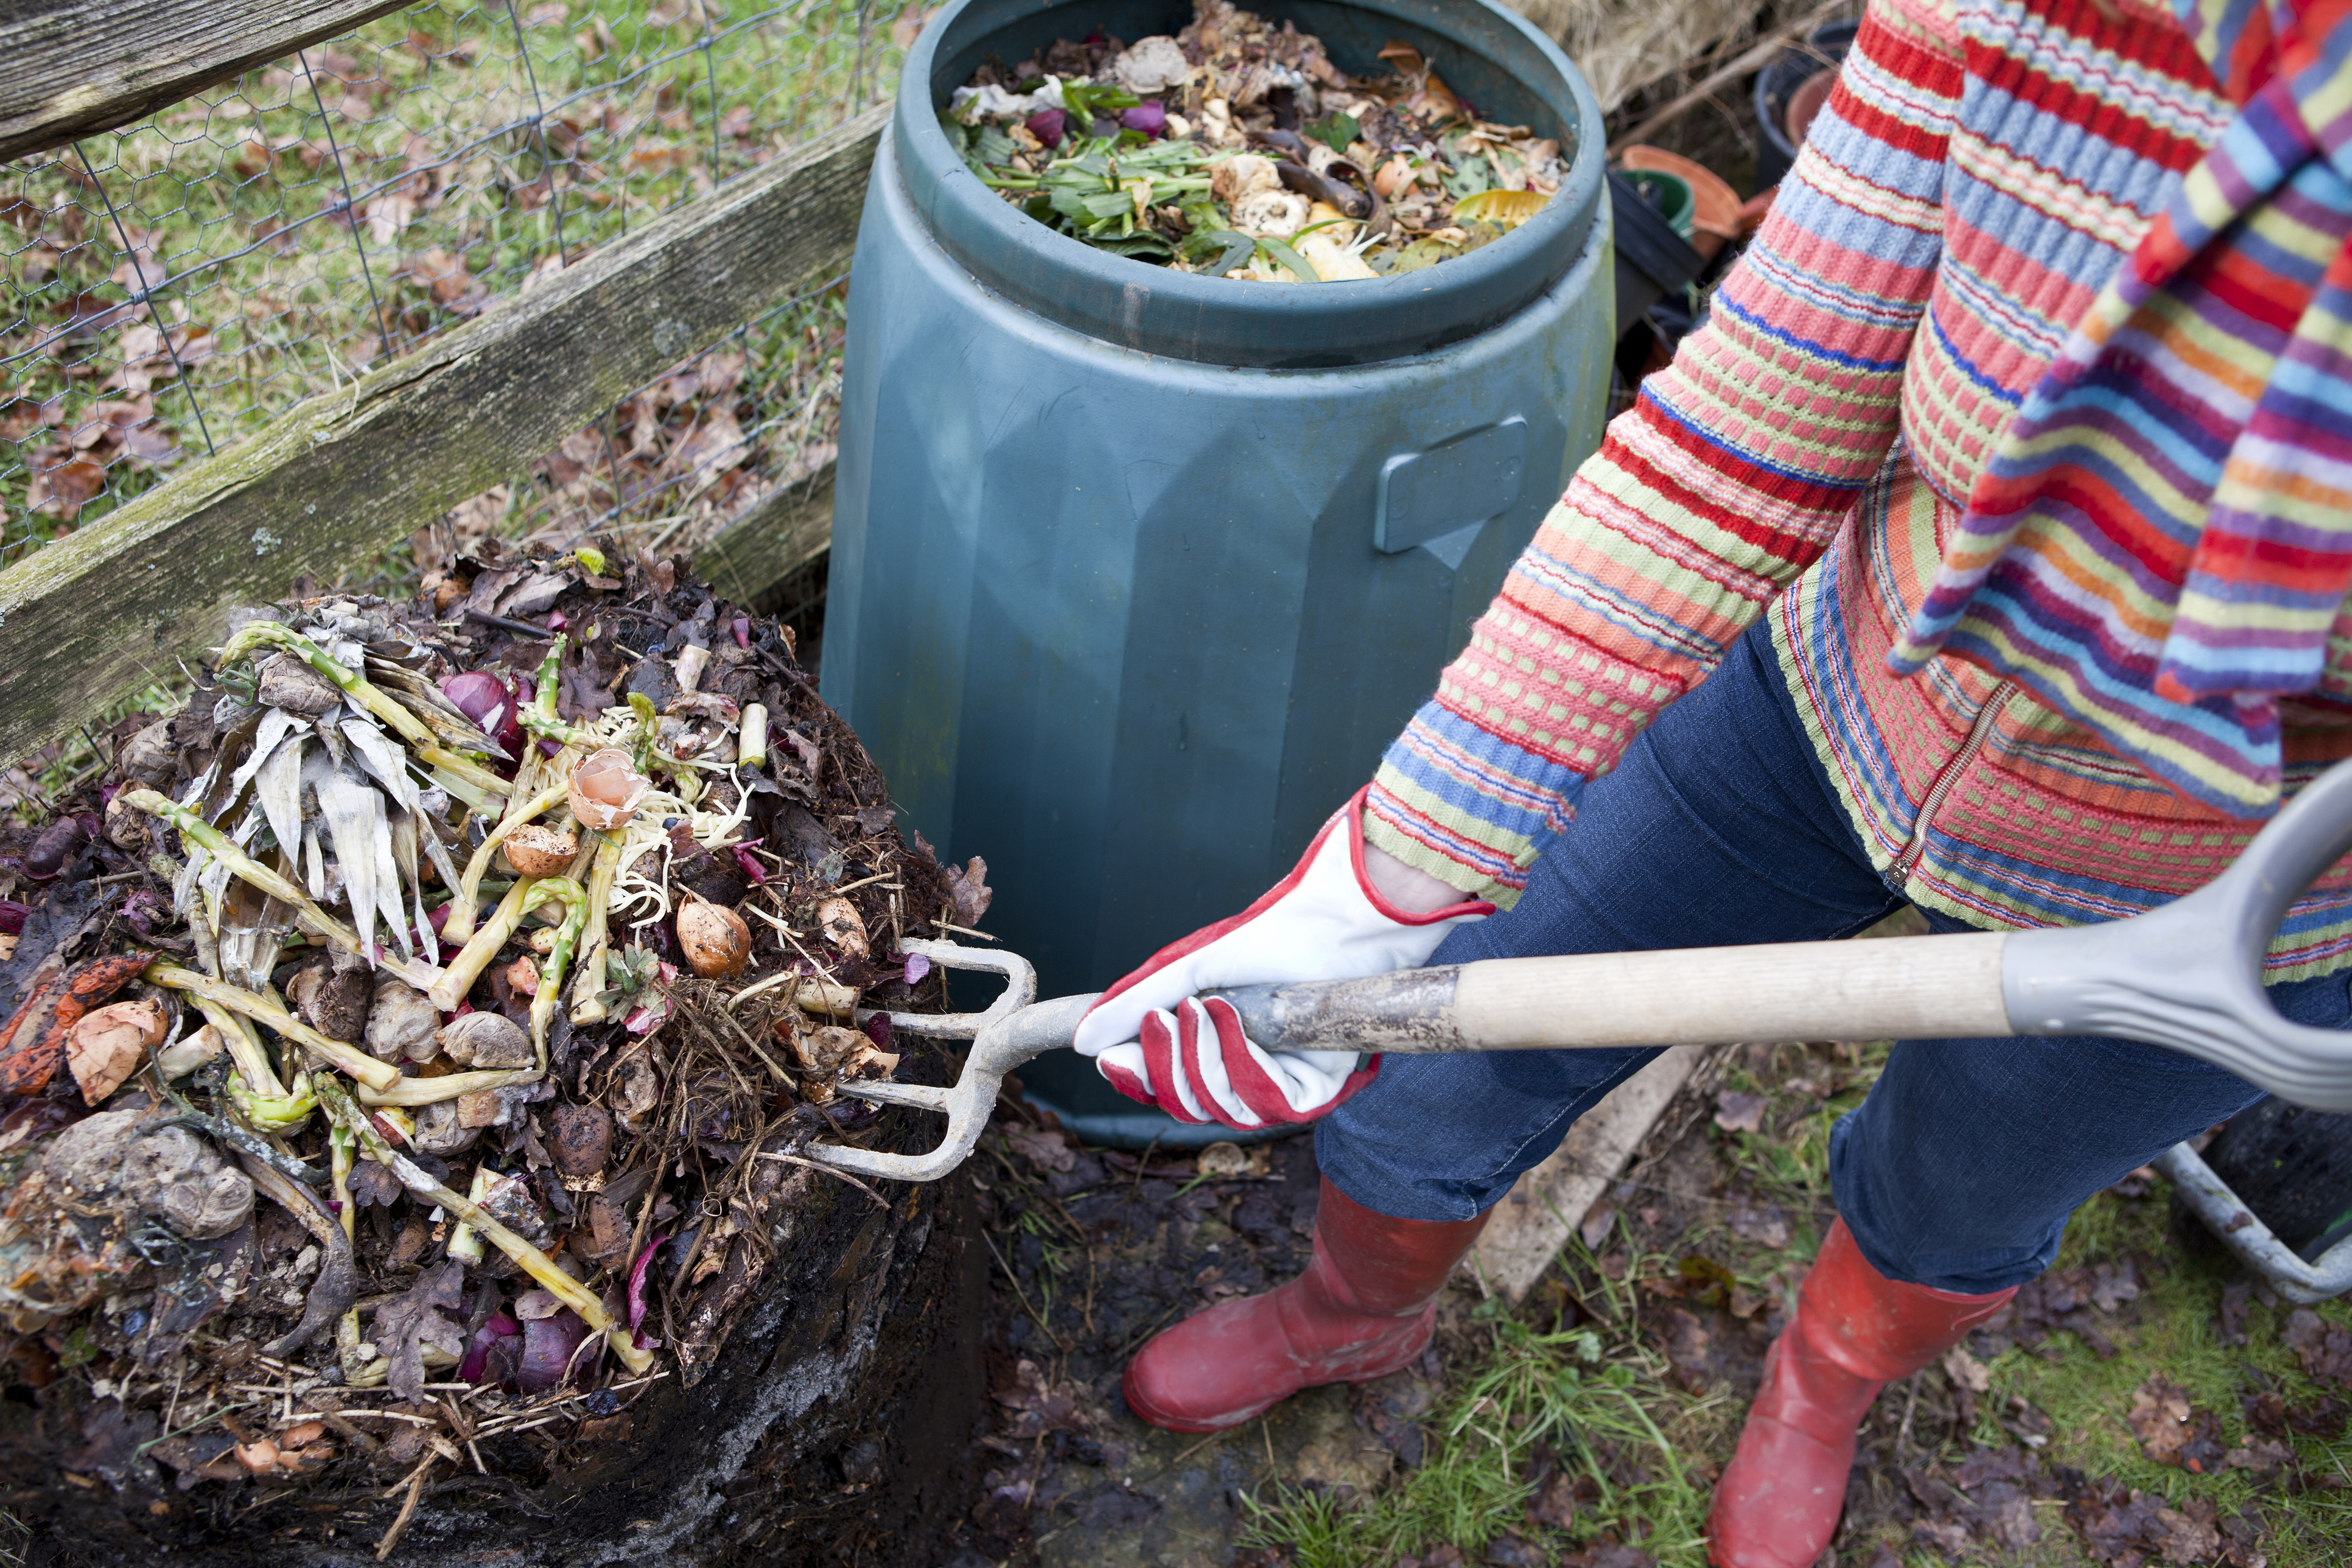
59,842
548,1344
638,1282
484,698
475,1366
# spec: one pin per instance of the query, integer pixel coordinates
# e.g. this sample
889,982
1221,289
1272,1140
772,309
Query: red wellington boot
1856,1331
1365,1307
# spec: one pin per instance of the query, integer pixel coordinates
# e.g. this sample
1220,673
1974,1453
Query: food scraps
388,1022
1236,149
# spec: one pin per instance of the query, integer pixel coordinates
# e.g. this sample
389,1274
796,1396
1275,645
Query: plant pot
1782,86
1715,206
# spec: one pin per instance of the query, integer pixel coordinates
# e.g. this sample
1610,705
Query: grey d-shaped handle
2189,974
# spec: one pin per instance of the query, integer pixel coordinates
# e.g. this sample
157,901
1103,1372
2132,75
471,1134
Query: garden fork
2187,975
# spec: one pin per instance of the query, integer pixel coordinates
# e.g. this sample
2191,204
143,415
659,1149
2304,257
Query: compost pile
1237,149
416,1034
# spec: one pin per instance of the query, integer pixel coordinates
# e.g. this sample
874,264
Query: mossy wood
777,534
74,67
98,614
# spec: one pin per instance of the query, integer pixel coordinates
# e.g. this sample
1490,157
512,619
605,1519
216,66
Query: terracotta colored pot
1715,216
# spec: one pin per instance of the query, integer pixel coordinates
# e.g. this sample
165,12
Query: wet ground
2140,1404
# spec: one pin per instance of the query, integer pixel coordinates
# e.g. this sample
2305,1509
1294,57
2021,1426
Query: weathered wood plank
780,533
1547,1203
78,66
96,616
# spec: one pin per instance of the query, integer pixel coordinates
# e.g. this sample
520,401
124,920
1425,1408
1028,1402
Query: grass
1528,1403
173,286
1591,1403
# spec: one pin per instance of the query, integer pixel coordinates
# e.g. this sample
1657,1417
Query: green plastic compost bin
1135,571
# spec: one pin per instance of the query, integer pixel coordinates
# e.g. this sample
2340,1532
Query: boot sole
1170,1421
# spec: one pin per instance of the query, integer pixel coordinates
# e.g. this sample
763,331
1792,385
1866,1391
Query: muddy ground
2144,1403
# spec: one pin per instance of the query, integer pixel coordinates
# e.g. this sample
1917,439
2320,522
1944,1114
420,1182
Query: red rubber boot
1366,1306
1856,1331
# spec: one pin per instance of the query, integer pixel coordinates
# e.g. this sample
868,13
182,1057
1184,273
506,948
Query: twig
880,1201
407,1508
967,931
1756,59
521,628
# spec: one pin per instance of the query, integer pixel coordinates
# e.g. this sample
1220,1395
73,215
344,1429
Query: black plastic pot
1652,260
2292,1168
1775,152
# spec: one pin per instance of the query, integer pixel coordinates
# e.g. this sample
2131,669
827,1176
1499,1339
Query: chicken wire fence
173,284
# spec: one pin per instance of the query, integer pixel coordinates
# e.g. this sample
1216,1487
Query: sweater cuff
1466,807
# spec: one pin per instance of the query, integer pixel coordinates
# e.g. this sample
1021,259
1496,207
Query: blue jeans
1720,827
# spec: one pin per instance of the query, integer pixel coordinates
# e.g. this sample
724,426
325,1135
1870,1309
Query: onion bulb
489,703
713,937
605,790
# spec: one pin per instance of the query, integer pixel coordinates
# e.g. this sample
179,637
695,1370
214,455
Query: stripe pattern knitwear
2164,538
1979,174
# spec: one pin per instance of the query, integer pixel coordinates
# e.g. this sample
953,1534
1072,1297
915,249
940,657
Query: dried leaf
1967,1372
405,1328
968,891
1736,1111
108,1045
1509,208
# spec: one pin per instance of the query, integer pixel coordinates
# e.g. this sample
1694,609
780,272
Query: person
1985,550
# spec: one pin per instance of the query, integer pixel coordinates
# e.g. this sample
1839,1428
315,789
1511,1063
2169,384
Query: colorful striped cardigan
1979,171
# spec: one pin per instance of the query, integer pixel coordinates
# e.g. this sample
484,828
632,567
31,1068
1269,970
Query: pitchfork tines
1013,1030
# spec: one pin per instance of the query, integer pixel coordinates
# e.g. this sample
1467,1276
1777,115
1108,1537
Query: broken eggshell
605,790
536,849
838,919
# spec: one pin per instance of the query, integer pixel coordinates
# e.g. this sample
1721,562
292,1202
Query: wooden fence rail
69,68
98,614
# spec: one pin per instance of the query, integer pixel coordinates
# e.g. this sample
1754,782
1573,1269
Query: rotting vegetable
1238,149
367,1054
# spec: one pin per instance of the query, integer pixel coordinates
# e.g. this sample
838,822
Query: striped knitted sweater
1981,168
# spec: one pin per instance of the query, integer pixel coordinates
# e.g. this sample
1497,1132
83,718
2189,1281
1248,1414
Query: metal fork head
999,1043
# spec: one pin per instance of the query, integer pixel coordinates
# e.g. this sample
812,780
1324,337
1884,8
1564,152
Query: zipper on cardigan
1980,731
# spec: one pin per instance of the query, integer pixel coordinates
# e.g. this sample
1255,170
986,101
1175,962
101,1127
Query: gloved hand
1157,1043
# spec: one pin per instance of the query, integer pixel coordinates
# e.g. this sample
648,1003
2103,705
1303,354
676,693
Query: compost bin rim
1131,304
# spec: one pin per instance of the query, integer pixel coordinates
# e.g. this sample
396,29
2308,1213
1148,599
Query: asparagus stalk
585,1007
450,986
540,717
306,913
465,1242
567,892
339,1174
460,923
376,1074
411,1092
534,1262
751,739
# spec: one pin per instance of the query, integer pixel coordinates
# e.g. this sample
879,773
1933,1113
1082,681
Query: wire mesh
173,284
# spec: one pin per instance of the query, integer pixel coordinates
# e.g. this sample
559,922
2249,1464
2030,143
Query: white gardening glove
1157,1043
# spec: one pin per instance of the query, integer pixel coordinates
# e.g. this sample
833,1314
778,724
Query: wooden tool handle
1905,987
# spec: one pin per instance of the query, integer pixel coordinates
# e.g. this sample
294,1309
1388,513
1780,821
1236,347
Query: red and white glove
1156,1042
